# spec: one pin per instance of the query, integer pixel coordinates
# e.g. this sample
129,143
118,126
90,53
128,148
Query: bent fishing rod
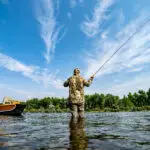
117,50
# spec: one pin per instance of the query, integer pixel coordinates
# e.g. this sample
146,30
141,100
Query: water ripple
41,131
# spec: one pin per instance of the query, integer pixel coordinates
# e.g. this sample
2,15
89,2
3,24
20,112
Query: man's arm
87,83
66,83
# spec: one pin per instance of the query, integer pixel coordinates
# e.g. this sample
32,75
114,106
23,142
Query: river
57,131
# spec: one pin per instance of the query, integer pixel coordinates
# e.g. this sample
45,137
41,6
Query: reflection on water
78,138
58,131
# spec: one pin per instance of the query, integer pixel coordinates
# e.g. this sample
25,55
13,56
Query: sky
41,42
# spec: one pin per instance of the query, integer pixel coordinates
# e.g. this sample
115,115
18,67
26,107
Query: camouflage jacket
76,88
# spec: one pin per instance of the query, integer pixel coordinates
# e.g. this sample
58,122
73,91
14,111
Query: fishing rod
121,47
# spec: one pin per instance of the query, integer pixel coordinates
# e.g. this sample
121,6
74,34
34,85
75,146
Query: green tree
93,102
45,102
101,101
33,103
87,102
126,102
111,101
142,98
148,97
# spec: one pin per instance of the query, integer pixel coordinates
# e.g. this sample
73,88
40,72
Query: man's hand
92,77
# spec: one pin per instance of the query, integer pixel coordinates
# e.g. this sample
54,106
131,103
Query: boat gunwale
8,109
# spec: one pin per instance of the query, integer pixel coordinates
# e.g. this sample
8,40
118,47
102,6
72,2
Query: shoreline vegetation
138,101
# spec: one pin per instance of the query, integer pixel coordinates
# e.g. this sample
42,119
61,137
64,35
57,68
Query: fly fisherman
76,85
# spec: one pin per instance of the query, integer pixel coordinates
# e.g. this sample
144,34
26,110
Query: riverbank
139,101
144,108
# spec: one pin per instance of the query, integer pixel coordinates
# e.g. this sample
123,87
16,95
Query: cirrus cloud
49,28
35,73
91,27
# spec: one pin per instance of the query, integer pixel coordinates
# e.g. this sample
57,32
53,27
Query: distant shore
139,101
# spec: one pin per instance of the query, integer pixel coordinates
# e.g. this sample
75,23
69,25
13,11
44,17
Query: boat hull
15,110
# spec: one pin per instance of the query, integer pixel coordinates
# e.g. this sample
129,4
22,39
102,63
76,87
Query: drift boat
11,107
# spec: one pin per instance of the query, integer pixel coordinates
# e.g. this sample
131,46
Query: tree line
97,102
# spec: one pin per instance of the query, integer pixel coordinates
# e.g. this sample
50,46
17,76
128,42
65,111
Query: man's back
76,85
76,89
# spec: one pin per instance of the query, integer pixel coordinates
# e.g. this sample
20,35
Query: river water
58,131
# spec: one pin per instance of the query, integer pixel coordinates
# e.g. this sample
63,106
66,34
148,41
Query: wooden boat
11,107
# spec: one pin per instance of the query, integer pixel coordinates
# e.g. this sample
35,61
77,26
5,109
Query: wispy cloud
73,3
104,34
21,94
91,26
69,15
13,65
35,73
138,83
50,29
132,57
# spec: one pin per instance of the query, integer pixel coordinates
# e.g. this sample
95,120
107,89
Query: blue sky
41,42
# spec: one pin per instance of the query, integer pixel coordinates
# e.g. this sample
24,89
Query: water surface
57,131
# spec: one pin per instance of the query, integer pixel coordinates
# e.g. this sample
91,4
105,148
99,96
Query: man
76,85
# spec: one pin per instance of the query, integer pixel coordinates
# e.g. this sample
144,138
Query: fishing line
121,47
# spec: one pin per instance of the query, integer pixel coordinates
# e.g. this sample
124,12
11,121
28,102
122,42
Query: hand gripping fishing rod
120,47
